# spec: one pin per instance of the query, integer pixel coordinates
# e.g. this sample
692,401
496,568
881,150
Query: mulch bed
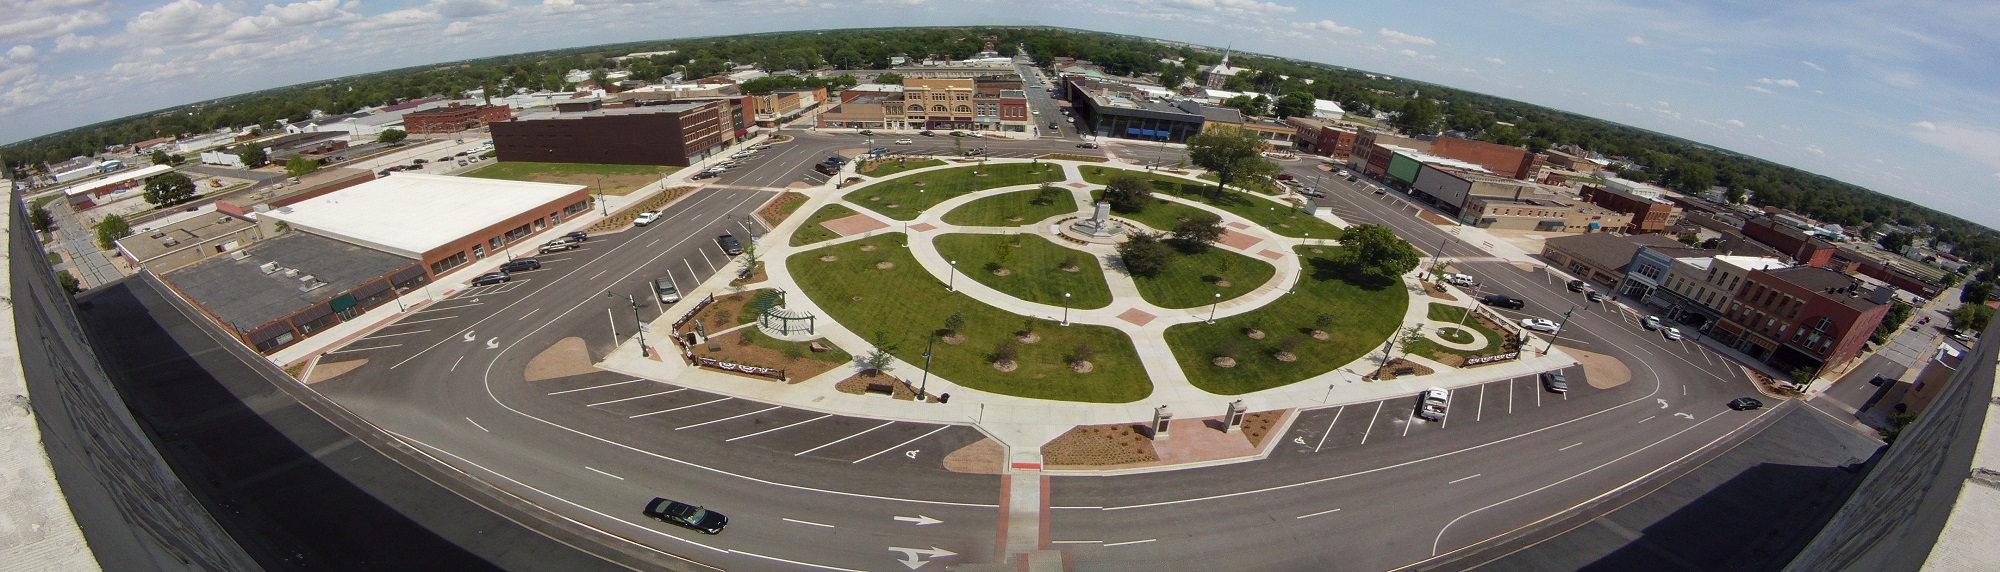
1389,373
1098,445
756,275
1433,218
1258,425
781,208
858,384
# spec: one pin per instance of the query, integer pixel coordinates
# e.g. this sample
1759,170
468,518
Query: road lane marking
843,439
1329,428
1076,542
1463,479
900,445
1371,422
422,321
1130,542
1480,411
679,408
595,387
530,313
365,349
725,418
599,273
454,363
793,562
808,523
637,397
441,308
1571,446
1306,516
476,424
1510,396
1648,418
393,335
594,470
776,428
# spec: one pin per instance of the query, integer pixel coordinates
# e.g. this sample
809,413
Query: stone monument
1099,225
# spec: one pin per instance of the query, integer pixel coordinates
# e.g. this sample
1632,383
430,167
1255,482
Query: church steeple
1225,55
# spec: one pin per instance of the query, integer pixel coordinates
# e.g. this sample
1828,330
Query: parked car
1462,280
958,134
1555,382
866,132
976,134
420,161
927,133
521,265
1085,145
1286,176
1651,322
729,244
1540,325
664,288
646,218
1671,333
1594,296
577,235
1504,301
1576,285
1745,404
490,278
836,160
826,168
1312,192
462,153
1343,173
560,245
686,515
905,141
704,175
1432,403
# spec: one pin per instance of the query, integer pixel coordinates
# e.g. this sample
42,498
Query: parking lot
1520,399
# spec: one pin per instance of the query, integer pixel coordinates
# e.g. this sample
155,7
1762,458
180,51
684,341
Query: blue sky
1899,96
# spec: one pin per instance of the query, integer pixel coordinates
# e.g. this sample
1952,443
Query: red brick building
1801,317
1804,248
1322,137
1648,216
454,118
1510,162
676,134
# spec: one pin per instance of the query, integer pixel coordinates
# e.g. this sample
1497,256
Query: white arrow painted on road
493,343
1663,403
1684,415
913,557
919,520
469,337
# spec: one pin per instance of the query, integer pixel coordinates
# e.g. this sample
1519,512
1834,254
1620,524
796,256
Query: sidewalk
1024,424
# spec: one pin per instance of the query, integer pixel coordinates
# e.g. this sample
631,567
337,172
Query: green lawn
909,199
1010,209
906,303
1263,186
1161,215
615,179
801,350
1281,219
891,167
812,231
1452,314
1363,315
1034,269
1190,281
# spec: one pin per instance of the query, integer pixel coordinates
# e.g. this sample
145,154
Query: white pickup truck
1432,403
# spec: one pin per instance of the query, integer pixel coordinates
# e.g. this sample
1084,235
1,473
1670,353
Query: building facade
1648,215
1697,289
1600,258
1503,160
1322,137
668,135
1109,109
1539,214
454,118
1808,250
1801,318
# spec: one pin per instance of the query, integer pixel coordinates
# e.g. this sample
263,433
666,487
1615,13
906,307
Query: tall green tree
1294,104
1378,252
112,228
1128,192
299,166
1971,317
1896,241
1232,154
1197,232
1144,254
253,156
391,136
169,189
161,157
1418,116
40,219
888,78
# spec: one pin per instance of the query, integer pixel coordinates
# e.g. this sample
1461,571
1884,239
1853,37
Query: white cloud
1736,122
1663,103
1710,68
1230,7
1815,149
468,8
1415,54
1975,143
1403,38
27,21
395,20
1758,89
1814,66
1497,61
1783,82
1327,26
74,43
457,28
21,53
1925,125
1635,40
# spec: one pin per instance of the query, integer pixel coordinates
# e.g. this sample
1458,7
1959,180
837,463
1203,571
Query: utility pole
641,325
925,382
1559,330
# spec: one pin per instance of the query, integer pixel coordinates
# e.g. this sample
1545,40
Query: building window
448,263
964,109
938,109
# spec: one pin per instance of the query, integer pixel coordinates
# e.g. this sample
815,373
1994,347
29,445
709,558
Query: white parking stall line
680,408
1371,422
1306,516
1571,446
775,429
900,445
393,335
724,419
595,387
835,441
595,470
422,321
1329,428
441,308
1538,398
530,313
1480,411
1130,542
639,397
365,349
795,521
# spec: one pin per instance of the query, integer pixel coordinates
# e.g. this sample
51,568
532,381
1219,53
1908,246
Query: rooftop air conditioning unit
312,286
224,220
239,255
269,267
291,272
171,242
159,235
307,278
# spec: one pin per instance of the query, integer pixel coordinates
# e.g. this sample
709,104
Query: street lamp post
952,283
1065,309
600,196
639,324
1212,307
1559,330
924,383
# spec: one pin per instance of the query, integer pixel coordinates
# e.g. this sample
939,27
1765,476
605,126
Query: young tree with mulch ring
1198,232
1144,254
952,324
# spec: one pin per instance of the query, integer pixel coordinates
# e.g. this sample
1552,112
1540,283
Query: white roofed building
443,221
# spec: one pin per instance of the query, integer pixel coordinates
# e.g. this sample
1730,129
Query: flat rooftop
411,213
243,296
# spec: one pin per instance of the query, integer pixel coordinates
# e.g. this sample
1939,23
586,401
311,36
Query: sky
1902,97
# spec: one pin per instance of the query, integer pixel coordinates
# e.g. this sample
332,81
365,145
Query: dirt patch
1434,218
780,208
326,371
1258,425
1400,364
1099,445
986,457
756,275
857,384
1440,292
566,358
797,358
726,312
1601,371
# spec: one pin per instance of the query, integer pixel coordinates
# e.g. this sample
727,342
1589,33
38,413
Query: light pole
639,325
952,284
1440,252
1065,309
925,382
1559,330
600,196
1212,307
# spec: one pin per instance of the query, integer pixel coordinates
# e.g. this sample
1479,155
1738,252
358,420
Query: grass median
1011,209
1034,269
1358,315
905,197
1193,280
906,304
815,230
1282,219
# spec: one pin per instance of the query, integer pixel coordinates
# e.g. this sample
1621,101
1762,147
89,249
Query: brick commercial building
1322,137
1649,216
311,185
1802,318
1547,215
1603,258
454,118
1510,162
441,221
1111,109
669,135
1807,249
1373,151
